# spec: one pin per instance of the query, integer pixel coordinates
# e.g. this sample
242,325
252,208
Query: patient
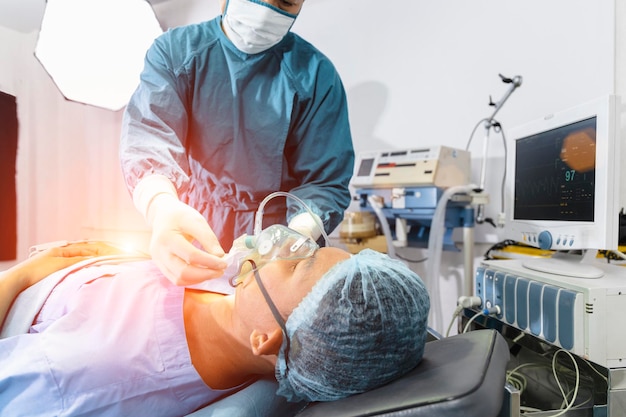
122,340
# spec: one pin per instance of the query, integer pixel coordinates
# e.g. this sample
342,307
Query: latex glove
307,225
175,225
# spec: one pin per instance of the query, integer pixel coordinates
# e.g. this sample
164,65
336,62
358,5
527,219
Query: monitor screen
562,190
555,173
365,167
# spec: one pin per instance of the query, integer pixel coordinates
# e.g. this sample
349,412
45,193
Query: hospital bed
462,375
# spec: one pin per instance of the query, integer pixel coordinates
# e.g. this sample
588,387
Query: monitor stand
574,266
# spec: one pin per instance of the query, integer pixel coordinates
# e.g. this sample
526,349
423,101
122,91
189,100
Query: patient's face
287,282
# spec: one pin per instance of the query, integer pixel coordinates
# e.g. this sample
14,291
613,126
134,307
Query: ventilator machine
566,197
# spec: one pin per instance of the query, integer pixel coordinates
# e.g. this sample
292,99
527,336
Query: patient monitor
565,188
567,195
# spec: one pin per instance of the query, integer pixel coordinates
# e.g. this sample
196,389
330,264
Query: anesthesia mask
277,242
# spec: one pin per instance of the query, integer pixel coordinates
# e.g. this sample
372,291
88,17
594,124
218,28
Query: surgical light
94,49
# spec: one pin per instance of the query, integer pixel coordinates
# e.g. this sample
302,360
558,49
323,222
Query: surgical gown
229,128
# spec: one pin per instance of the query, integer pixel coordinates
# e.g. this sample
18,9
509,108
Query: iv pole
489,124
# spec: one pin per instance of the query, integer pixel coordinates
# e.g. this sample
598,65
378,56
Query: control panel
582,315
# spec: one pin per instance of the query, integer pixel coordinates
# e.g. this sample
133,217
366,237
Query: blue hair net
363,324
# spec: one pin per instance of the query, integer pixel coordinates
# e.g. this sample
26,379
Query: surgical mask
274,243
254,26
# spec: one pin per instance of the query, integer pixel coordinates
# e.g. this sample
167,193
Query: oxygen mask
277,242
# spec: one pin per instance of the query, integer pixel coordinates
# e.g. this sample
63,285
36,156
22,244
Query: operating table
462,375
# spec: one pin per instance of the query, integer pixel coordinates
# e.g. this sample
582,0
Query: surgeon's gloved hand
175,225
307,224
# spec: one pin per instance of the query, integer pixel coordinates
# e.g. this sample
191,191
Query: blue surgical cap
363,324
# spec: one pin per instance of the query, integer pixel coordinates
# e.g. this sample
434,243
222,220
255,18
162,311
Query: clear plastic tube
377,207
258,220
435,248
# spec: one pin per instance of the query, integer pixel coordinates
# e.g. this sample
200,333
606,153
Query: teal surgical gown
229,128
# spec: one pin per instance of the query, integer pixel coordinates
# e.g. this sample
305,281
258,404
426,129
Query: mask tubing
258,219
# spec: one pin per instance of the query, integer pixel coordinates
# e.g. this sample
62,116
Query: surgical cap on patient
363,324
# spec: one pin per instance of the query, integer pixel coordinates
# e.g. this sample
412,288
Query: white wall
417,73
431,66
420,73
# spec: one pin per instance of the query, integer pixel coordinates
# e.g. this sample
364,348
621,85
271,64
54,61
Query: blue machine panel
541,309
479,282
417,210
549,315
489,277
521,303
509,298
498,292
534,307
566,305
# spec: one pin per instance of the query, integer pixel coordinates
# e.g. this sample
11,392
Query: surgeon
122,340
226,112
